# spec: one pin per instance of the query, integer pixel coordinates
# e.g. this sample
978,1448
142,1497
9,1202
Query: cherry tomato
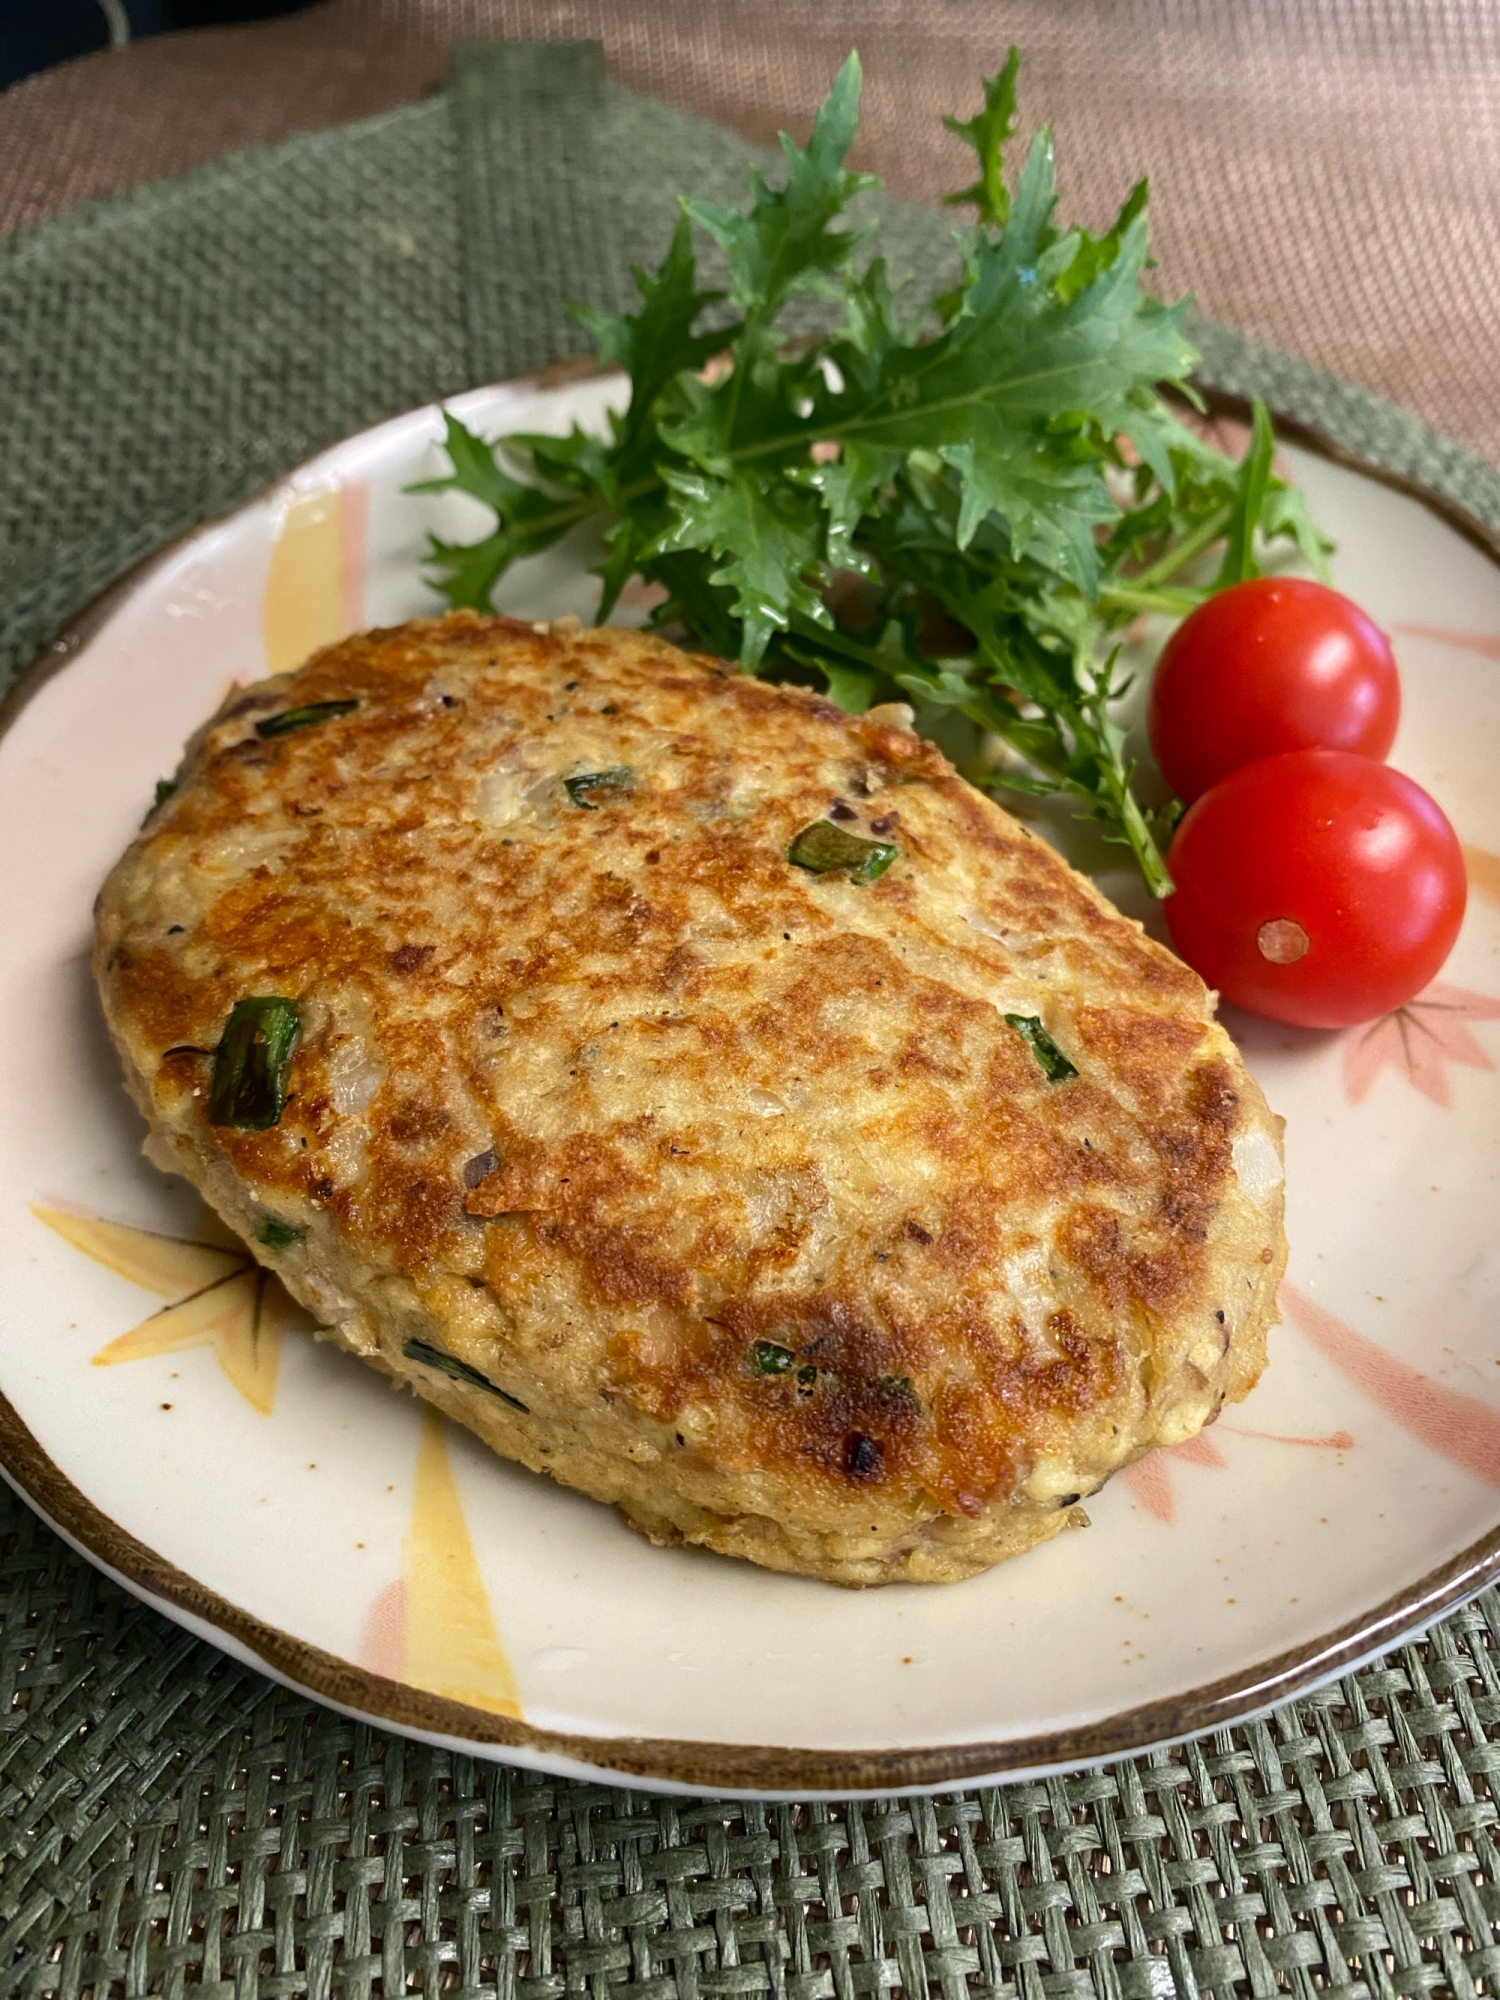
1276,664
1317,887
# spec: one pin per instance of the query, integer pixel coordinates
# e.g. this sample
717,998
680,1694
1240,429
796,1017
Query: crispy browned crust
598,1096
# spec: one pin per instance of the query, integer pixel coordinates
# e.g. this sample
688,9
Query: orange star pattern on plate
1484,871
1485,644
1150,1478
218,1297
1420,1039
433,1626
1463,1429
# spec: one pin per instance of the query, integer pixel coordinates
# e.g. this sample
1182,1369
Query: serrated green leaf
785,244
1017,358
528,520
768,542
987,133
580,462
871,328
465,573
852,688
941,686
476,470
1093,255
694,601
847,486
1050,509
626,544
1284,513
1023,782
657,344
1012,489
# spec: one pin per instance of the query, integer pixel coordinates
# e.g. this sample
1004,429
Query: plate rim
688,1764
727,1769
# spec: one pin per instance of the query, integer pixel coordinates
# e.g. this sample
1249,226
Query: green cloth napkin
169,354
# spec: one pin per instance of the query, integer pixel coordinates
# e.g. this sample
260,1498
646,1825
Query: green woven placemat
169,1819
167,355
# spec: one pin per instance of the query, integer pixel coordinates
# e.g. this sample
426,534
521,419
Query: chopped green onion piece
1055,1065
615,779
278,1235
768,1359
449,1364
303,718
249,1063
807,1376
164,790
823,848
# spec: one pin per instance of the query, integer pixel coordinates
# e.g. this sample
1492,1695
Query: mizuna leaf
987,133
1050,509
847,485
528,519
1095,254
996,465
657,344
769,545
476,470
784,243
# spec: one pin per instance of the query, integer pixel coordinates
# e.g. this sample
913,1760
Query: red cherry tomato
1317,887
1276,664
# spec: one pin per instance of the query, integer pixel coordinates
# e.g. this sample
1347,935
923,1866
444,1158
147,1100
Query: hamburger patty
703,1094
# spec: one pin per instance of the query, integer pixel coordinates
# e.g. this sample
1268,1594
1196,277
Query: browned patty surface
734,1179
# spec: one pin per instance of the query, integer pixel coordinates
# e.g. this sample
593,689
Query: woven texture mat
1323,171
168,1819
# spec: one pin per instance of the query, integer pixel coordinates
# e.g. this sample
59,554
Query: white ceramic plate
170,1413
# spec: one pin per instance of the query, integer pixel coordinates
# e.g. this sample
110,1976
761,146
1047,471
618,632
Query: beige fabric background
1325,173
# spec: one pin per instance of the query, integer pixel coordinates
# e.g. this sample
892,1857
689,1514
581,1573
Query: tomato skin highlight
1271,665
1317,887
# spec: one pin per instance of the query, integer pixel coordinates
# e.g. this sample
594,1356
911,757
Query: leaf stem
1127,597
1143,844
1208,530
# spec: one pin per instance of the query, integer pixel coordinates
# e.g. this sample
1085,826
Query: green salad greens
961,501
